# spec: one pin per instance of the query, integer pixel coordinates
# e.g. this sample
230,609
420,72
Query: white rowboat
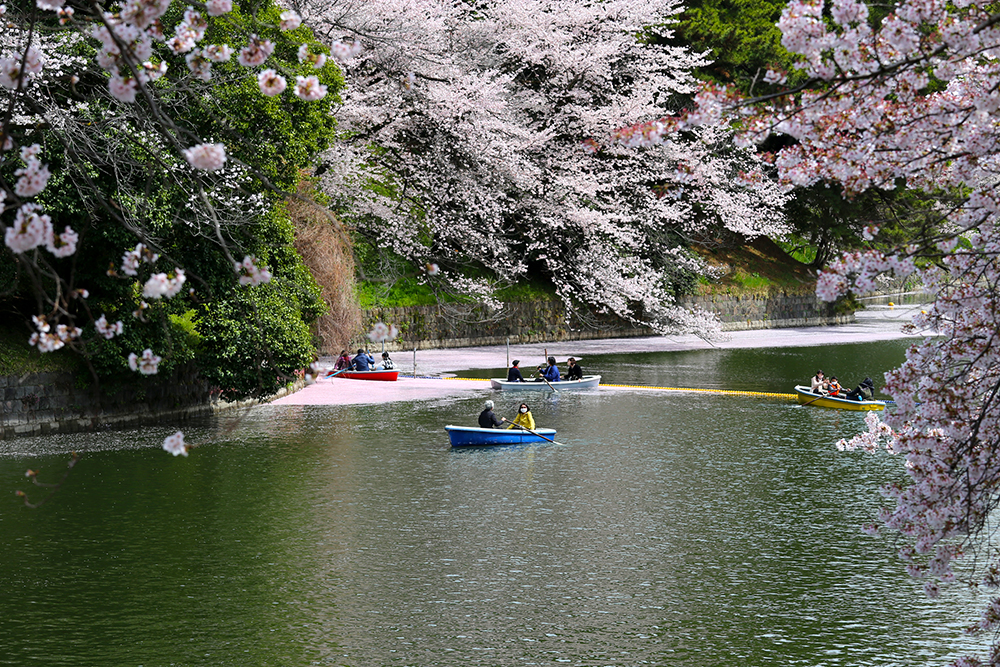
587,382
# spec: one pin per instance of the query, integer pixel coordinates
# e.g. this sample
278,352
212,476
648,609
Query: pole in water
414,362
508,351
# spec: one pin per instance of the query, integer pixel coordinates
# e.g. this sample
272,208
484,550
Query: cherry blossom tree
476,138
910,100
145,149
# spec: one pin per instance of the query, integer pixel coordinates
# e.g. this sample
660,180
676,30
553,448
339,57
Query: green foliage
275,135
133,173
739,36
252,342
535,290
403,292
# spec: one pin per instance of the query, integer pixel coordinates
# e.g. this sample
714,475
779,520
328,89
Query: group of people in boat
362,361
547,373
489,419
524,419
865,391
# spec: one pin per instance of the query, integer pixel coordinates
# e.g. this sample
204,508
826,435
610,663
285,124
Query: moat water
669,529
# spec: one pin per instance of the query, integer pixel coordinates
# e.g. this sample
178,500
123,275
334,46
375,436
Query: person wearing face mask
523,418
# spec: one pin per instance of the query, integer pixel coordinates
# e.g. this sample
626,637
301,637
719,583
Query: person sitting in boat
487,418
819,383
387,364
363,361
574,372
833,389
550,372
514,373
343,361
523,418
863,392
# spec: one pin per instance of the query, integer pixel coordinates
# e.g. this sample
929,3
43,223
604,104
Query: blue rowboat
470,436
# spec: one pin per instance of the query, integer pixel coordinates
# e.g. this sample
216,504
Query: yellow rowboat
806,397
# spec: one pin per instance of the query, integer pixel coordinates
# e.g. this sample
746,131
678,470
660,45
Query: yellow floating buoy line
726,392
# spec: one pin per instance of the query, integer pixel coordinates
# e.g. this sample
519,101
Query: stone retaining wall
458,325
45,403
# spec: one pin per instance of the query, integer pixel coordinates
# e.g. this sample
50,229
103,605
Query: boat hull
530,385
806,397
381,376
473,436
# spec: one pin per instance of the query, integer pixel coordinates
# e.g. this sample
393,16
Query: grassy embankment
18,358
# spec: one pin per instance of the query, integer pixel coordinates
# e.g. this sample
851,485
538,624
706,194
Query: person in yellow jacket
523,418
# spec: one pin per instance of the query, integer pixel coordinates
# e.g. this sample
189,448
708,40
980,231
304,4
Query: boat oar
333,375
525,428
802,405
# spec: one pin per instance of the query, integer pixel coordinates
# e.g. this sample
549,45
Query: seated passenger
343,361
833,389
514,373
819,383
523,418
387,362
574,372
863,392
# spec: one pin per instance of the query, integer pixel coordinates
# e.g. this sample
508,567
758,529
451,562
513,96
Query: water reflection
671,528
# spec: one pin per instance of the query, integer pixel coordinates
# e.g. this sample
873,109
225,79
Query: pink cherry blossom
218,7
30,229
62,245
271,83
208,157
382,332
309,88
107,330
162,285
256,52
174,444
306,55
290,20
123,89
146,364
218,53
250,274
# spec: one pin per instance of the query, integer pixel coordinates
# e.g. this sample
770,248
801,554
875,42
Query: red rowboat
383,376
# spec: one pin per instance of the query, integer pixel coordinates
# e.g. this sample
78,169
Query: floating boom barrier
725,392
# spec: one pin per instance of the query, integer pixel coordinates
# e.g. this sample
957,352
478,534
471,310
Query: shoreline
433,366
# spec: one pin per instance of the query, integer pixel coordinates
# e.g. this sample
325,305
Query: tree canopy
476,140
165,161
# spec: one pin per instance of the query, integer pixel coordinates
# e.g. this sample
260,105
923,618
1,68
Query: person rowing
549,373
523,419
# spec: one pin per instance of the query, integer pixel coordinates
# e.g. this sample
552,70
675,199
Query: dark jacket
363,362
514,374
487,419
574,372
